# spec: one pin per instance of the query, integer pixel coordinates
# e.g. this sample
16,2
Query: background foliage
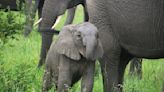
10,24
19,58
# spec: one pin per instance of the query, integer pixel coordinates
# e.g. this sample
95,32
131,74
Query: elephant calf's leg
124,60
47,84
88,78
64,78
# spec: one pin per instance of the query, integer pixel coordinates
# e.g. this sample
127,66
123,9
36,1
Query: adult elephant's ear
98,53
65,45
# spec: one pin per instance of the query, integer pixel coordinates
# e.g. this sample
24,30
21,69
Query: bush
11,23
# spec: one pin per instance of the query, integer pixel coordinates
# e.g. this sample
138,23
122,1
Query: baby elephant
73,57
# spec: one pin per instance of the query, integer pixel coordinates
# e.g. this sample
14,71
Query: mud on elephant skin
51,10
73,57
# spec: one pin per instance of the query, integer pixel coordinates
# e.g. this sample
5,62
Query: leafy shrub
11,23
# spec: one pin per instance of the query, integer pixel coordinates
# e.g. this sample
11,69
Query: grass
19,72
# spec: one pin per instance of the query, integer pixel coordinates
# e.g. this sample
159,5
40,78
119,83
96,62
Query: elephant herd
125,29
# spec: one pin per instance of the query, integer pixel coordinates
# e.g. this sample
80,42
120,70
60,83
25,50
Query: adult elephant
11,4
127,28
51,10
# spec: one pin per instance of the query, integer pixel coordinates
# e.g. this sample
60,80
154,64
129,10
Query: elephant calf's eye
78,35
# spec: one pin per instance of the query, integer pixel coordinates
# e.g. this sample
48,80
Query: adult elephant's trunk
30,11
51,10
70,16
90,48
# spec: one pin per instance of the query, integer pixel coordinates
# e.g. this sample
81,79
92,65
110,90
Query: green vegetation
19,72
10,24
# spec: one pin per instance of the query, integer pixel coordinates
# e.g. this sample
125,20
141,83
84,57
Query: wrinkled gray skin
136,67
51,10
72,57
127,28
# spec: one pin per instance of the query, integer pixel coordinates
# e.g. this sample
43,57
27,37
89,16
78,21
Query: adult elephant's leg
109,67
111,58
70,16
125,57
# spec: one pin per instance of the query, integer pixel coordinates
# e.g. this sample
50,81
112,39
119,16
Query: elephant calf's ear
65,45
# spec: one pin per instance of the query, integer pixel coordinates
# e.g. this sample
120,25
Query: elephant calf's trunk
90,47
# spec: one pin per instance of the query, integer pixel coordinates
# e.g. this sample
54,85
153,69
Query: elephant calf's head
81,39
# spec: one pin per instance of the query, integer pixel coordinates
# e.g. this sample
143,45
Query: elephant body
72,57
127,29
133,20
